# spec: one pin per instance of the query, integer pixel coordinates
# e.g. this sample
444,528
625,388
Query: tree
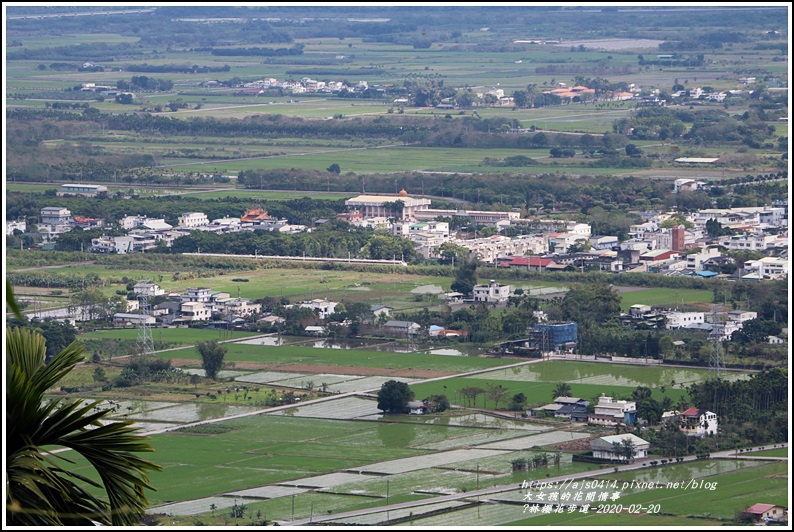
39,492
394,396
470,393
563,389
436,403
212,355
465,278
632,150
756,330
334,169
625,449
715,228
57,334
589,305
496,393
449,253
99,374
519,402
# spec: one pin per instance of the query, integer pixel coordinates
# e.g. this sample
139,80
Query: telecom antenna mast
145,341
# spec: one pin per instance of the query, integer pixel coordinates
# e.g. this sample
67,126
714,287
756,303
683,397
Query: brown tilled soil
574,445
339,370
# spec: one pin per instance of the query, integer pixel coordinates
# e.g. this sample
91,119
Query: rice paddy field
266,450
309,356
343,453
780,453
172,336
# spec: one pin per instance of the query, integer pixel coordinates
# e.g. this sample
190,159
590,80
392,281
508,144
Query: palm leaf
40,491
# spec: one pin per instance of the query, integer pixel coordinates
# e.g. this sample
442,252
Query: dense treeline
190,69
263,52
98,52
336,72
755,409
324,242
145,83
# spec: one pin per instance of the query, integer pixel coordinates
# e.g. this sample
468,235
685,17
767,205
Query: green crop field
270,195
782,452
344,357
669,297
587,379
172,336
592,519
604,374
258,450
734,491
303,283
535,392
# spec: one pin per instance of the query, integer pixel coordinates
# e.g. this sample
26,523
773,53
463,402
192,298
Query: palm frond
40,490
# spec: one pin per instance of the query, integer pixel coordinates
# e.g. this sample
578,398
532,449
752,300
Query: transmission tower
716,365
145,341
544,341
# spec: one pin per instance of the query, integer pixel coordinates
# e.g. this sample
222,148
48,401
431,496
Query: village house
322,307
193,219
148,289
407,328
764,513
609,412
573,408
698,422
416,407
611,447
123,318
194,311
492,292
76,189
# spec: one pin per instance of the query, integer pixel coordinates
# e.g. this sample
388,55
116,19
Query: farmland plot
267,492
601,374
477,438
269,340
317,380
683,471
331,480
501,466
382,517
425,481
430,460
538,440
268,377
194,507
190,412
485,515
365,384
222,374
484,420
344,408
147,427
